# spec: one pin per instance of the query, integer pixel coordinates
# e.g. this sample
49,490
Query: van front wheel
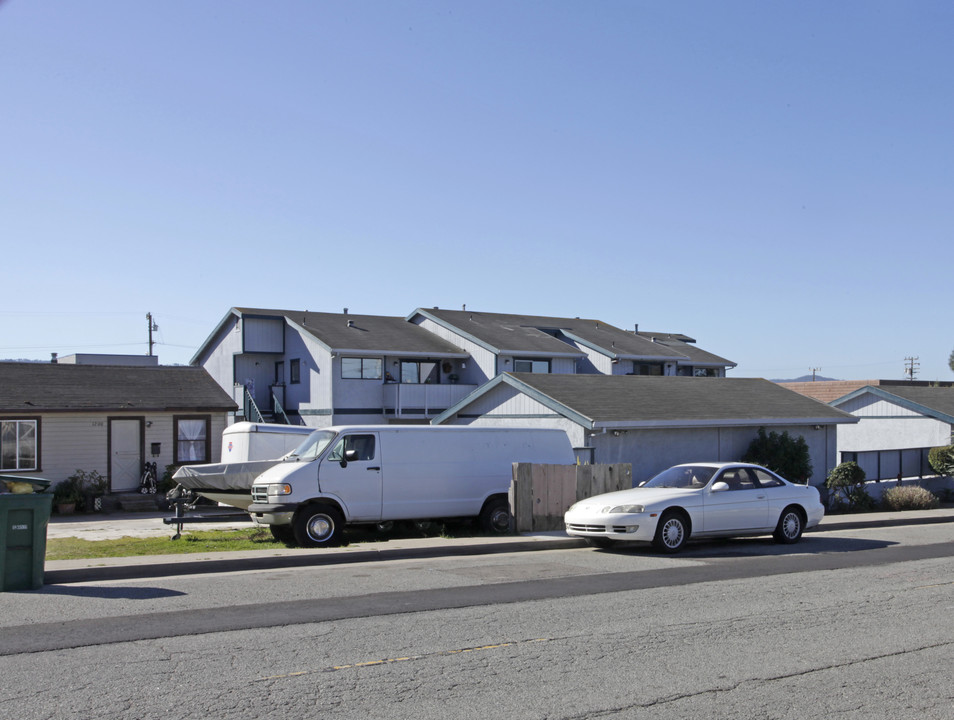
319,526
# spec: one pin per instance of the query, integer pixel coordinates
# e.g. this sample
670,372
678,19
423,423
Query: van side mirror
349,456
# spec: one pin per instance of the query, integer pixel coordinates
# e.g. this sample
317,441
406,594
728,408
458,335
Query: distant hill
807,378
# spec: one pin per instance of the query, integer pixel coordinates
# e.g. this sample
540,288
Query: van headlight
280,489
624,509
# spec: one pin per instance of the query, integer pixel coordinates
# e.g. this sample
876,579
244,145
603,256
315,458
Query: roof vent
346,311
636,328
351,323
53,358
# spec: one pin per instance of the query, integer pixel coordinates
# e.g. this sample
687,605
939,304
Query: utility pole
911,366
814,370
152,326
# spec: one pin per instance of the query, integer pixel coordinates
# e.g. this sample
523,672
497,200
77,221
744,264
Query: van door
358,484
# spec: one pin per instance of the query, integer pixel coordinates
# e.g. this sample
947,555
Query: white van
366,474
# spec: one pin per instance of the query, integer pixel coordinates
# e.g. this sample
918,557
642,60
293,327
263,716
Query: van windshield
313,446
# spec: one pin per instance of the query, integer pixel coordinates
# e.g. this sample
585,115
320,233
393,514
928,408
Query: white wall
78,441
893,434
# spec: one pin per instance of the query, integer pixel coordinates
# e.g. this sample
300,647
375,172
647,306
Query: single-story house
57,418
898,424
655,422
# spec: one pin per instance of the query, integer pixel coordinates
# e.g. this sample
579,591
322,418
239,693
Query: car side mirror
642,483
349,456
720,487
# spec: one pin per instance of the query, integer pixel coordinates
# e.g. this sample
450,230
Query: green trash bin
23,521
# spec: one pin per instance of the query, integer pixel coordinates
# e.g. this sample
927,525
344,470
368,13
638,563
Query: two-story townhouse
500,342
321,369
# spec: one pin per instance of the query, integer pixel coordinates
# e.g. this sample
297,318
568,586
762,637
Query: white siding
218,362
481,368
263,335
77,441
870,406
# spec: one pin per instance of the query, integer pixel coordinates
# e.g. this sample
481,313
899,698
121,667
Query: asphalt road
852,623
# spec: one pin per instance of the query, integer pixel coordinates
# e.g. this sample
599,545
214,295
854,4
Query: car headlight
280,489
624,509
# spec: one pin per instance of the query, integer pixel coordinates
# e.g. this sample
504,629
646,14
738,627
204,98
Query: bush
910,497
941,459
782,454
847,484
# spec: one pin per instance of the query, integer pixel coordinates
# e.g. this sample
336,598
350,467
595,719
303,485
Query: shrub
941,459
909,497
847,484
781,453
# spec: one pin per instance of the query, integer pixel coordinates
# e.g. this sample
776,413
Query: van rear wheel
318,526
495,517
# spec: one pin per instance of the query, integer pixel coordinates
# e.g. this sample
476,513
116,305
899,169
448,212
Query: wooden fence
540,494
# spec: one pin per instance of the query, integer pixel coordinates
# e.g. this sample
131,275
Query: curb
157,566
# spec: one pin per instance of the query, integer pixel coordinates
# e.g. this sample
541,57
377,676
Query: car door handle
375,468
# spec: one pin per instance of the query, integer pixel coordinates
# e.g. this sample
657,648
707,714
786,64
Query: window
766,479
294,371
192,439
647,368
531,366
18,444
361,444
415,372
353,368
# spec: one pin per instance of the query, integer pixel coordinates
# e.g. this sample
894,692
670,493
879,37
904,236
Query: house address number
20,527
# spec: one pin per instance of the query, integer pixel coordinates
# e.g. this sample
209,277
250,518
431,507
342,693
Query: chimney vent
351,323
53,358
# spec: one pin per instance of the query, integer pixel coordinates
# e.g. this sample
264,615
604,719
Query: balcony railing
428,400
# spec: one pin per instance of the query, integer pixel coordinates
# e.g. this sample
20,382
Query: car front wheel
672,532
790,526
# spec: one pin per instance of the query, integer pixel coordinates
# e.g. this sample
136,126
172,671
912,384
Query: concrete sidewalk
151,525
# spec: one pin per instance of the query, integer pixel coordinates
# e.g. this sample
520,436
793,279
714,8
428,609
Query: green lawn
201,541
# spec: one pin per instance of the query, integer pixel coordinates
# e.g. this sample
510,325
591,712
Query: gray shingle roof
683,344
47,387
515,334
366,333
647,400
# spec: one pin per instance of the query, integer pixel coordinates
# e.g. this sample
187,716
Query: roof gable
936,402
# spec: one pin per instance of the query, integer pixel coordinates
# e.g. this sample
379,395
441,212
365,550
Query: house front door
125,454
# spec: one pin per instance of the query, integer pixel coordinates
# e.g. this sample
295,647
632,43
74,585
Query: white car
698,500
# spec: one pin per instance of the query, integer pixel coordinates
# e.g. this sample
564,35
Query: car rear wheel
790,526
672,532
319,526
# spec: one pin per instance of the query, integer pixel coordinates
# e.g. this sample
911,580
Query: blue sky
773,179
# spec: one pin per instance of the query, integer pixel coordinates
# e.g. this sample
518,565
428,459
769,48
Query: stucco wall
893,434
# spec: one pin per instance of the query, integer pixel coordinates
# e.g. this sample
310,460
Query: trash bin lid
39,484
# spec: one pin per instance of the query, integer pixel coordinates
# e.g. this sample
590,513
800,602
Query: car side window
739,479
361,444
766,479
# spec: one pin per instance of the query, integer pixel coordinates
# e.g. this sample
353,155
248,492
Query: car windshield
682,476
312,447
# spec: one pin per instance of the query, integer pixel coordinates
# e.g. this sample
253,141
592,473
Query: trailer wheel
318,526
283,533
495,517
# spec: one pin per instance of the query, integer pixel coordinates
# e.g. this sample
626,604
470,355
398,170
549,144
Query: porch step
130,502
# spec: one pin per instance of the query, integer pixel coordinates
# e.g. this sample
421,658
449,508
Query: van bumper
266,514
